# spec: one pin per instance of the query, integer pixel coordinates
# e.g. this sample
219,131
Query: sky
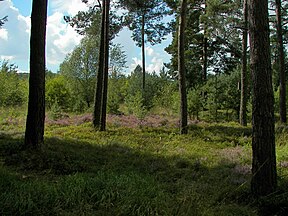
61,39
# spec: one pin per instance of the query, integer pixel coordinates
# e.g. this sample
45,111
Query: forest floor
134,168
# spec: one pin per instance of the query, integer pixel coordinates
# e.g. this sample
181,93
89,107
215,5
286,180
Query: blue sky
61,38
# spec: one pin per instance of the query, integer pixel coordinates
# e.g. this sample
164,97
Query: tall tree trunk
205,57
99,82
281,58
205,48
243,101
106,67
34,134
143,50
264,179
181,68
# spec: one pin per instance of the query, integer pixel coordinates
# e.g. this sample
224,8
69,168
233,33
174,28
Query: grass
141,170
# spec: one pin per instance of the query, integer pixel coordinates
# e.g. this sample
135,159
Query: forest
205,135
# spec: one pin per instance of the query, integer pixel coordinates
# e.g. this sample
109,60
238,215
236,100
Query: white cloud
3,57
134,64
60,40
70,7
155,65
4,34
15,32
149,51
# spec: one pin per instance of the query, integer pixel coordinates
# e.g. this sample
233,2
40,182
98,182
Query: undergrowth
135,171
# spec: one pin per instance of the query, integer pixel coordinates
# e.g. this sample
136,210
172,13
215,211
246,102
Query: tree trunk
205,49
106,67
205,57
181,68
264,179
281,58
34,134
99,82
143,50
243,101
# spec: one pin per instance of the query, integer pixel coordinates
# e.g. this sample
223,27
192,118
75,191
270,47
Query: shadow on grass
126,181
230,131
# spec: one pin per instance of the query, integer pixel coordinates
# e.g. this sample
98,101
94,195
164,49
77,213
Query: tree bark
99,82
34,134
205,49
143,50
282,96
264,179
106,67
205,57
243,101
181,68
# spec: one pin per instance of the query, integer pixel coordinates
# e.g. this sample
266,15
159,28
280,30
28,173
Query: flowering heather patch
11,121
153,121
61,122
128,121
234,154
242,169
67,120
283,164
80,119
123,120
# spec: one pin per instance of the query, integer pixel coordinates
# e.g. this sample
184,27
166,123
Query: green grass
134,171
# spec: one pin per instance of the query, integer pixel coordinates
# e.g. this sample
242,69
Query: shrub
57,92
13,89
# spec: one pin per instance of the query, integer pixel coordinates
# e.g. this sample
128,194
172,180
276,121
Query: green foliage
55,111
222,93
13,89
58,92
167,98
154,83
153,11
117,58
217,24
135,105
194,103
116,92
79,69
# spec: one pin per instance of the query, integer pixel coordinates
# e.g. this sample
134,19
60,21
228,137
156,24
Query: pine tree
264,179
144,19
34,134
243,102
106,66
282,96
100,74
181,68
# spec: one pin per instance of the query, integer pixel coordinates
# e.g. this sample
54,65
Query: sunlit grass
137,170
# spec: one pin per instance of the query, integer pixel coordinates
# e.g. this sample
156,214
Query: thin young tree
34,134
264,179
181,68
243,101
144,19
281,58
